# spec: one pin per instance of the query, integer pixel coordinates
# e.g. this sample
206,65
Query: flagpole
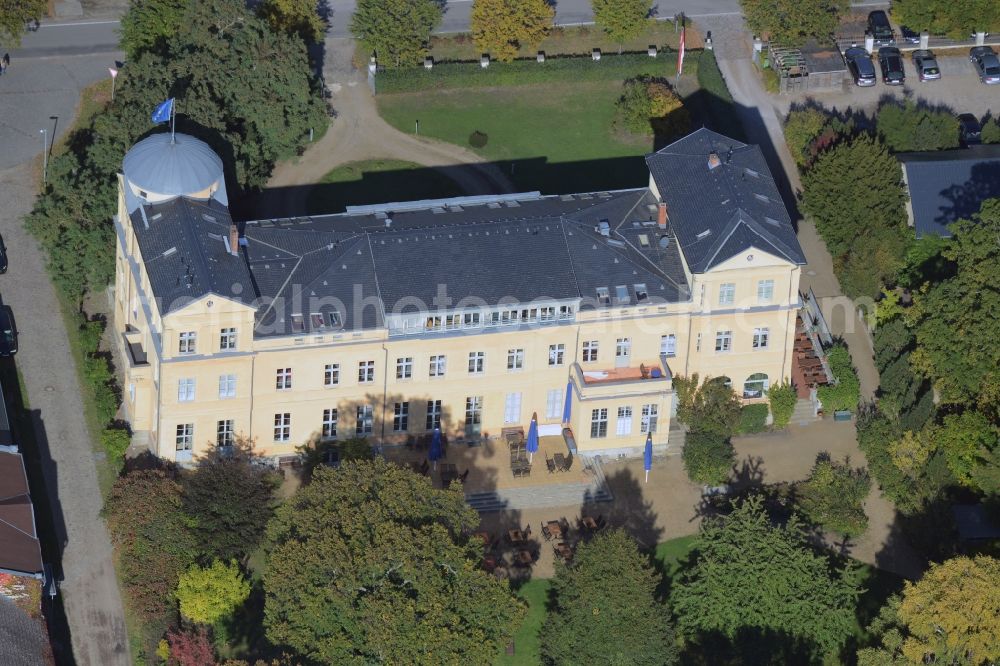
113,79
173,117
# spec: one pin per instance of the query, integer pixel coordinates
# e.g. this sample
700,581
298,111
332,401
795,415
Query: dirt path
89,587
359,133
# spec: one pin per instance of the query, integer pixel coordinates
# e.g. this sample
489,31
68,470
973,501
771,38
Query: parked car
909,36
984,59
926,65
3,256
861,66
8,332
969,130
880,29
891,63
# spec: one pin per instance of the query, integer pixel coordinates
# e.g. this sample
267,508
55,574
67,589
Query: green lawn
378,181
555,137
527,642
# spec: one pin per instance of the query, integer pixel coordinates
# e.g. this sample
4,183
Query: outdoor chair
424,468
546,533
569,462
550,464
463,476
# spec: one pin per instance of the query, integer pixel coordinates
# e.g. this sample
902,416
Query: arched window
755,386
722,379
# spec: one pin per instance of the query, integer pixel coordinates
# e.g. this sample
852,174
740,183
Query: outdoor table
589,523
555,528
516,536
564,551
524,558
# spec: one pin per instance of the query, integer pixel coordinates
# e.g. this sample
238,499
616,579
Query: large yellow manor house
468,314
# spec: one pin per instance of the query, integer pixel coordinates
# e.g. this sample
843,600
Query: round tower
162,167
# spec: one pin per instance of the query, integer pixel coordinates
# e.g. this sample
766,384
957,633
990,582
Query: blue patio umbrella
435,453
647,455
532,444
568,407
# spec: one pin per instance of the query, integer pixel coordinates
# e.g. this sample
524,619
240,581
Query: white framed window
723,341
623,347
760,337
624,424
765,291
282,427
727,293
590,348
477,363
224,435
404,367
227,339
401,417
621,294
185,390
366,419
329,423
647,420
187,342
756,385
283,379
512,408
331,374
554,403
515,359
473,414
227,386
185,436
470,319
437,366
433,414
599,423
298,323
557,354
366,372
668,345
603,297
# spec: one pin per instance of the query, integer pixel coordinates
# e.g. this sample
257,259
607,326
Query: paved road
45,78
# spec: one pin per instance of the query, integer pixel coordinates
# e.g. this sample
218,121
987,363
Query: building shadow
28,428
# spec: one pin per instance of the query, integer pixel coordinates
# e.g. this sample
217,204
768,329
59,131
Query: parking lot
958,88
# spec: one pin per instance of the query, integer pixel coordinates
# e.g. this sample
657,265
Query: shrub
709,407
909,126
802,127
454,75
708,457
782,398
772,81
991,131
753,418
211,594
846,392
478,139
190,648
115,442
833,496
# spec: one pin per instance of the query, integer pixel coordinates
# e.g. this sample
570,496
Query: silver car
926,65
984,59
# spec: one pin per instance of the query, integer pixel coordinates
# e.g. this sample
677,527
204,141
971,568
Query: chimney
713,160
234,240
661,217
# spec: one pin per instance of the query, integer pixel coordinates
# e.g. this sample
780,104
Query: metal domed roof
182,167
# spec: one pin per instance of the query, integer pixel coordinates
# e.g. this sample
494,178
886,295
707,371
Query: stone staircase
554,494
804,413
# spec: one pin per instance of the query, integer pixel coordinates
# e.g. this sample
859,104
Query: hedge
753,418
451,75
708,457
782,398
846,393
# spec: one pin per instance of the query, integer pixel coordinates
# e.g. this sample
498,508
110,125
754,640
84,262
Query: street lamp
45,155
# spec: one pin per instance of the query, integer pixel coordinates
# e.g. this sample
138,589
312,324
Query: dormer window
317,322
334,319
621,294
298,323
640,293
603,297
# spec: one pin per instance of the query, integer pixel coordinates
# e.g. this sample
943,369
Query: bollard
596,54
484,61
651,51
540,57
870,43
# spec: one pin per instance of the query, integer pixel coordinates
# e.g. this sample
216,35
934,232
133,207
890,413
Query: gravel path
90,591
359,133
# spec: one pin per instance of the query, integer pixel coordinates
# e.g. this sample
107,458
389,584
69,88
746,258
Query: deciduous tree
621,20
501,27
370,563
294,17
793,22
908,126
749,574
149,24
649,106
708,457
189,648
782,398
711,406
955,19
833,496
213,593
398,31
605,608
14,17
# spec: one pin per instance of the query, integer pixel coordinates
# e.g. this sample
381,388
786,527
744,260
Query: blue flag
163,111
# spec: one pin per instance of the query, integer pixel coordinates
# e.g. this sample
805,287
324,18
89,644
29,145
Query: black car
891,63
970,130
8,332
880,29
3,256
861,66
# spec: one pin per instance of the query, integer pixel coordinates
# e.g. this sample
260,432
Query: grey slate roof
950,185
720,212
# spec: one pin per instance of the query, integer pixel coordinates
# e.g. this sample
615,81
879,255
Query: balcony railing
653,375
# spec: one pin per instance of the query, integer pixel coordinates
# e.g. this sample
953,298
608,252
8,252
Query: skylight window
621,294
640,293
603,297
704,234
643,240
762,197
751,172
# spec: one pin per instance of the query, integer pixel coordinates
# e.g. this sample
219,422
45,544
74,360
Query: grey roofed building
481,251
949,185
721,200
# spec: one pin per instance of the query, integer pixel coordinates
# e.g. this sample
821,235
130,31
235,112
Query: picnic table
589,523
554,529
524,558
563,550
516,536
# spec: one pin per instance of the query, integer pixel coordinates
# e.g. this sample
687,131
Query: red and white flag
113,71
680,53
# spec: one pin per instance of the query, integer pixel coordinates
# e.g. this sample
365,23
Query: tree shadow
750,645
629,511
